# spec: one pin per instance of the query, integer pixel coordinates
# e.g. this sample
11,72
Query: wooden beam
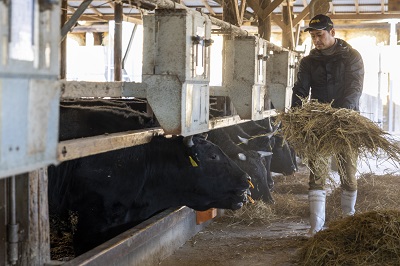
73,149
365,16
277,19
357,7
302,14
67,26
95,10
289,25
254,4
236,11
124,17
208,7
242,10
270,8
263,13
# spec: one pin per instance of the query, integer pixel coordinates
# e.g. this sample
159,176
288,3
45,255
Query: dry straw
370,238
318,131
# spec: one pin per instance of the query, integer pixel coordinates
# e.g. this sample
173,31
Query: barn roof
341,11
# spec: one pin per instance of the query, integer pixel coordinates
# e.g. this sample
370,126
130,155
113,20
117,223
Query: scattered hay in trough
258,213
370,238
286,207
318,131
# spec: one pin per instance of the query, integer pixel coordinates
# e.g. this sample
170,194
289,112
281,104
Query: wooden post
264,23
118,13
63,45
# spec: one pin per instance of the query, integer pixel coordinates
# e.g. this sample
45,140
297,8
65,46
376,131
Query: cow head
212,178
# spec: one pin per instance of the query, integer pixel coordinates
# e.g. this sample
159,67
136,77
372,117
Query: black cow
257,136
284,158
255,140
248,160
114,191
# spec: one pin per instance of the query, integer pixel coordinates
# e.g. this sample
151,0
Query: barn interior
198,65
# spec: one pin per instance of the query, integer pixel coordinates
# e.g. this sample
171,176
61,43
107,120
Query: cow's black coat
113,191
249,160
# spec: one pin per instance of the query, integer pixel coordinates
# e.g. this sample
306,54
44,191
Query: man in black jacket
332,72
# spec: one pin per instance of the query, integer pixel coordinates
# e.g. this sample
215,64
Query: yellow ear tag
193,162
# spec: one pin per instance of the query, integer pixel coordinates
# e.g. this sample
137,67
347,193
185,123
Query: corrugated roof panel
344,9
371,2
343,2
370,9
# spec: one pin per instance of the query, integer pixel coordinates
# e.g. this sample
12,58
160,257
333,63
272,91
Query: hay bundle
318,131
371,238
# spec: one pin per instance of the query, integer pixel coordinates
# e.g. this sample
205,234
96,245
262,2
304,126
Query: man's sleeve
354,80
301,88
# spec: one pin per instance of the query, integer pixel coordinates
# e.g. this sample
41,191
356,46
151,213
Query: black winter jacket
338,77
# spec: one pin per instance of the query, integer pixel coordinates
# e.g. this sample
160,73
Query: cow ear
264,153
242,157
270,135
243,140
204,135
188,141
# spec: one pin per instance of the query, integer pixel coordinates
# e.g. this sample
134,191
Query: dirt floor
275,237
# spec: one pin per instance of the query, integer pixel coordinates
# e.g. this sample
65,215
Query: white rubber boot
316,199
348,201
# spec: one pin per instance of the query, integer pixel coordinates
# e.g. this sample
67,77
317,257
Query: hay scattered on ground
318,131
375,192
371,238
287,206
258,213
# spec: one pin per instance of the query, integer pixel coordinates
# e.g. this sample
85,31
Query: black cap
320,22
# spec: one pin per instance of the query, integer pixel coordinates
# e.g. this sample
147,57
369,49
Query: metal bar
128,49
67,26
12,226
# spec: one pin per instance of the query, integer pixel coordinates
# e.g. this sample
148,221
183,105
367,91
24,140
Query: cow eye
214,157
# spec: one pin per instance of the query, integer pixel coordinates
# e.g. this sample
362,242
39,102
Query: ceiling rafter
208,7
357,6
